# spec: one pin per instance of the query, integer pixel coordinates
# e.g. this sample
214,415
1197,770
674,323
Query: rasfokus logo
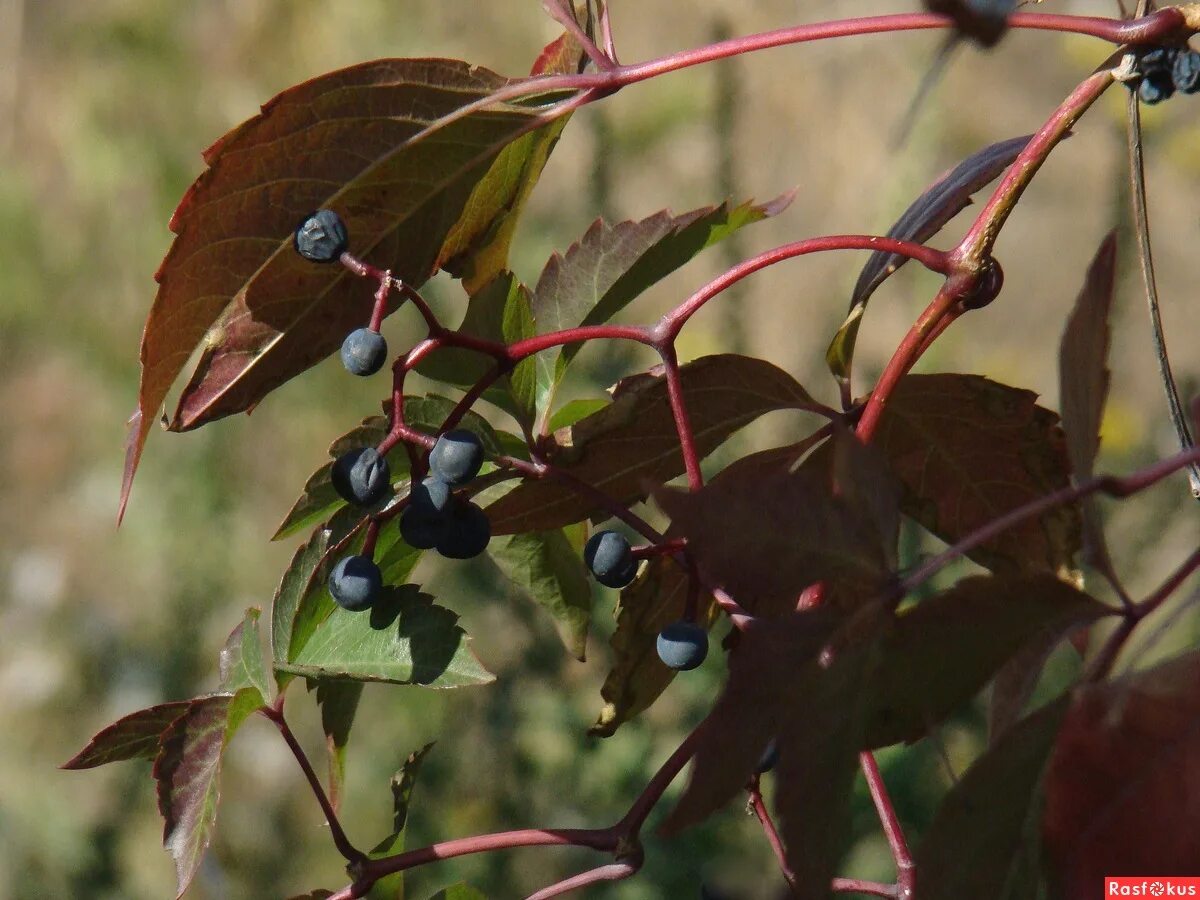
1161,886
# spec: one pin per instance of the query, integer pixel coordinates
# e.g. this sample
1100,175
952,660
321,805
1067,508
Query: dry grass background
104,107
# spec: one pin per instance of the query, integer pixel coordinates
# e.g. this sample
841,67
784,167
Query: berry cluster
437,519
1165,70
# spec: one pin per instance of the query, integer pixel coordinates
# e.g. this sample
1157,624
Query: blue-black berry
355,583
431,496
1185,72
1155,88
467,534
361,476
364,352
322,237
422,528
610,558
769,758
682,645
456,457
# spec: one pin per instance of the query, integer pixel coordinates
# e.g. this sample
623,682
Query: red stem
344,847
612,872
905,870
858,886
935,260
768,827
683,425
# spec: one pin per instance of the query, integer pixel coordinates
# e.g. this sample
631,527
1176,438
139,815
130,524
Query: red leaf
765,533
1123,788
134,736
968,450
186,771
378,143
632,443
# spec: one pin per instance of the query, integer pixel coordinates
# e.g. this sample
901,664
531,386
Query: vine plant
421,165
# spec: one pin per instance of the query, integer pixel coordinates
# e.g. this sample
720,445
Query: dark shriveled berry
322,237
1185,72
682,645
355,583
456,457
361,476
467,534
364,352
1155,88
610,558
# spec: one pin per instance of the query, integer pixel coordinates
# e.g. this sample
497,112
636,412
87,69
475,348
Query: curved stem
683,425
764,818
672,322
858,886
612,872
905,869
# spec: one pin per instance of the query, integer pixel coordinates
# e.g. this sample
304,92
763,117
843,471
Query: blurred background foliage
104,108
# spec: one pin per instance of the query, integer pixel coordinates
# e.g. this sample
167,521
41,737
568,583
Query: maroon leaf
638,677
382,145
1083,379
632,443
765,533
1123,787
186,771
943,651
134,736
967,450
985,842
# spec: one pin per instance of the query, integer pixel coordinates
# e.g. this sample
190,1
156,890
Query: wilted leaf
545,565
968,450
765,534
1123,787
612,264
985,839
186,771
1083,379
941,202
391,887
320,501
379,143
242,667
403,639
944,650
638,677
134,736
632,442
339,703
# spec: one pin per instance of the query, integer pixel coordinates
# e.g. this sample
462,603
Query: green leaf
985,839
460,891
612,264
632,445
242,666
403,639
320,501
573,411
549,568
233,286
765,532
638,677
302,601
968,450
338,701
186,772
940,203
391,887
944,650
135,736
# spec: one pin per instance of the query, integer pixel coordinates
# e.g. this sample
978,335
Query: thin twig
612,872
764,818
1137,193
